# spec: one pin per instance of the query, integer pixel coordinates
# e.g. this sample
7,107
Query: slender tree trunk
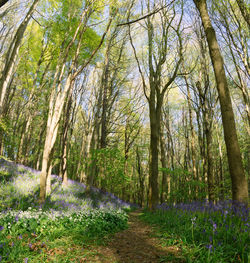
221,179
39,142
164,185
193,150
48,182
141,177
210,175
92,169
12,54
66,126
239,182
55,110
105,79
21,151
244,10
3,2
170,151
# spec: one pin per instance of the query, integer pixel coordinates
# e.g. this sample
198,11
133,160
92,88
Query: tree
66,74
239,182
158,56
12,54
244,10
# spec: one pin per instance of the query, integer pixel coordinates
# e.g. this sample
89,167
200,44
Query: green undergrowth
35,236
201,236
68,228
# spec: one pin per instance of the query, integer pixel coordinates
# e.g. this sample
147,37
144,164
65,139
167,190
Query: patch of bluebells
22,190
220,230
67,207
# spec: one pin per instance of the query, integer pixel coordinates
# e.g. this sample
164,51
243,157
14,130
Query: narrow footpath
136,245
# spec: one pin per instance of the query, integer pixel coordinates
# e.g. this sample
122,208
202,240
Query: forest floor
136,244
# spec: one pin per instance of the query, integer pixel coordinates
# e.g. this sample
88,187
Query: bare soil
136,244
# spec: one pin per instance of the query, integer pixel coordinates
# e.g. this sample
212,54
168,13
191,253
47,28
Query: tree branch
145,16
3,2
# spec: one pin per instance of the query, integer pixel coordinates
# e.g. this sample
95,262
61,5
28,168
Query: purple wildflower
209,247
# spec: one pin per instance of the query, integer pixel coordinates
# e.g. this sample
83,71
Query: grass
204,232
66,229
73,222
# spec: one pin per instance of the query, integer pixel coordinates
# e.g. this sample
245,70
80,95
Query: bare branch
3,2
146,16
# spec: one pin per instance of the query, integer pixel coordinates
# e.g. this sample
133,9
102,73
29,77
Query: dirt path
136,245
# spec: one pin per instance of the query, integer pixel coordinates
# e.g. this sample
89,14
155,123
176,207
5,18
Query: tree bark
141,177
210,174
105,80
55,110
12,54
164,185
244,10
155,118
239,182
3,2
66,126
193,150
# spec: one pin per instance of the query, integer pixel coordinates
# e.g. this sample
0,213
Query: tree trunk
154,152
12,54
66,126
105,79
239,182
221,179
92,169
244,9
193,150
164,185
55,110
210,175
141,177
3,2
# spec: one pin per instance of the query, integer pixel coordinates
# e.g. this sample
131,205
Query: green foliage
110,162
30,234
33,233
212,236
187,186
61,31
3,125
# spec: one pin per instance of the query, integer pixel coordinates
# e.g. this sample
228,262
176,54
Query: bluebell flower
1,228
209,247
